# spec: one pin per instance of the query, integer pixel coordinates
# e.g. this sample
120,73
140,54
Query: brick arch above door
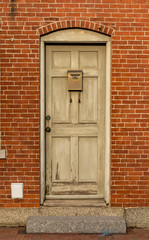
100,28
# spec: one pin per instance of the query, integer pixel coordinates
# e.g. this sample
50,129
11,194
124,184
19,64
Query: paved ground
19,234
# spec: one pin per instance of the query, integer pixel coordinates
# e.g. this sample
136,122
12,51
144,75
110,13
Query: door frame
69,36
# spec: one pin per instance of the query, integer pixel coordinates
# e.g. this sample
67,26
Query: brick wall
129,94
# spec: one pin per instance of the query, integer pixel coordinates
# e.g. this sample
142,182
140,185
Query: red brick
128,23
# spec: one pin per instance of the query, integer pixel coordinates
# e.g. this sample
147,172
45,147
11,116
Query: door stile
48,123
74,95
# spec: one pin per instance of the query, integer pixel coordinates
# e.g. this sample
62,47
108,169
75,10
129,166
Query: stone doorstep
76,224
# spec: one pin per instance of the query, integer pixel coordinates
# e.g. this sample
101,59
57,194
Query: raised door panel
88,159
61,59
88,101
60,101
61,159
74,189
88,59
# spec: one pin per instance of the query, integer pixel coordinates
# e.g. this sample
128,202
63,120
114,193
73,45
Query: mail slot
75,80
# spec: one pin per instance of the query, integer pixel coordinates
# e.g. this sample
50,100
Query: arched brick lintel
75,24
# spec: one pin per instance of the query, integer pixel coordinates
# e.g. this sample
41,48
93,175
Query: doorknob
48,129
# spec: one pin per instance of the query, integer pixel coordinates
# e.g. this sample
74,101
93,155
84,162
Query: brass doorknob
48,129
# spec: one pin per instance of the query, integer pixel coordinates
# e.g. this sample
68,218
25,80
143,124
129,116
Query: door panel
88,159
60,159
60,190
75,145
60,101
61,59
88,106
88,59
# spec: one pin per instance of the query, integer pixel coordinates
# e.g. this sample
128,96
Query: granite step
76,224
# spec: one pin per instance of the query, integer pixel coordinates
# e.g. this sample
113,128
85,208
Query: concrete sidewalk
19,234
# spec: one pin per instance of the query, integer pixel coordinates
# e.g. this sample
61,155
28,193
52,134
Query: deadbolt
48,129
48,118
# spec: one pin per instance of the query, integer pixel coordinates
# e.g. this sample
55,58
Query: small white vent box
17,190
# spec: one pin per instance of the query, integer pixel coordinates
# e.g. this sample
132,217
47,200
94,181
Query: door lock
48,118
48,129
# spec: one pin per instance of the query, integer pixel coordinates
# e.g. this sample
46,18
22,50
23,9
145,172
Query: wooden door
75,145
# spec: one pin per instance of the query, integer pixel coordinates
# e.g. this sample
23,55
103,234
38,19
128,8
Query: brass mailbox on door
75,80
